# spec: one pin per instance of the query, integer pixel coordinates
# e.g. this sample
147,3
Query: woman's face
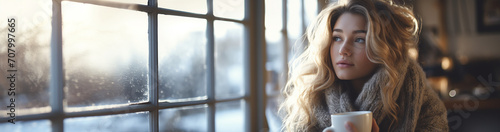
347,50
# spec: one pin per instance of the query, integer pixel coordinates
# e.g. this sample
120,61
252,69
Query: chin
343,77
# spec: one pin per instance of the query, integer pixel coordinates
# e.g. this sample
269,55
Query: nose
345,49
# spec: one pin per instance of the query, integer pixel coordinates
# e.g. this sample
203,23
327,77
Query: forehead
350,21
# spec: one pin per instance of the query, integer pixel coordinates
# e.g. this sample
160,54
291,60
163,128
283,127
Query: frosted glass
194,6
185,119
228,59
28,76
230,116
181,58
132,122
234,9
105,55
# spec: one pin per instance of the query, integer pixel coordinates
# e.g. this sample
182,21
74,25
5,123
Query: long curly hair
392,30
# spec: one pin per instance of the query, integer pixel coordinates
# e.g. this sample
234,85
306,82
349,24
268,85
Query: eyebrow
355,31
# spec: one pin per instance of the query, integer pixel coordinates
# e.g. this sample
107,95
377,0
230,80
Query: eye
360,40
337,39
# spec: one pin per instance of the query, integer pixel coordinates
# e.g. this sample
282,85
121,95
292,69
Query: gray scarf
411,93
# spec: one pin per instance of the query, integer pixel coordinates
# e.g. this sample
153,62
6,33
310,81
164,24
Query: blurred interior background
220,64
458,50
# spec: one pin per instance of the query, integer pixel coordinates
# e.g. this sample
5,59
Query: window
29,27
285,23
139,65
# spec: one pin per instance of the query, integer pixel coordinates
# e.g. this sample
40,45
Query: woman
357,59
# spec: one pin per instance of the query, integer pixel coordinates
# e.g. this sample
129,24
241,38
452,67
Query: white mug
362,120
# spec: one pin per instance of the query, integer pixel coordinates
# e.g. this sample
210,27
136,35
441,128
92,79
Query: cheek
333,51
363,58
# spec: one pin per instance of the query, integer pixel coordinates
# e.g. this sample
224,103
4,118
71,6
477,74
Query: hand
350,127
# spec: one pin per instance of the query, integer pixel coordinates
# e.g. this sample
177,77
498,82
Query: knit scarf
337,99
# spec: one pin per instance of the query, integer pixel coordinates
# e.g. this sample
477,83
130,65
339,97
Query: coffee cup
362,121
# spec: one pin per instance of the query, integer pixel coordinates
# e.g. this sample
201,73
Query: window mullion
210,66
285,43
254,65
153,65
56,70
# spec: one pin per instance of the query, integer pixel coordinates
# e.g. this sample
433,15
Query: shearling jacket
420,109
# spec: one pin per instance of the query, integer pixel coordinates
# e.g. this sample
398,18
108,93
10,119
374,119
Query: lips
344,63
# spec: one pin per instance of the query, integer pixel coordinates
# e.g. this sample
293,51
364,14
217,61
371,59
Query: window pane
311,10
145,2
184,119
133,122
274,15
295,28
105,55
29,54
230,116
272,114
229,9
181,58
294,21
276,62
228,59
27,126
195,6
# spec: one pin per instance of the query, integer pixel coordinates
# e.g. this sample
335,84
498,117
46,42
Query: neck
358,84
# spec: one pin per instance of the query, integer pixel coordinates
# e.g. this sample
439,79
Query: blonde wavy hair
392,30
